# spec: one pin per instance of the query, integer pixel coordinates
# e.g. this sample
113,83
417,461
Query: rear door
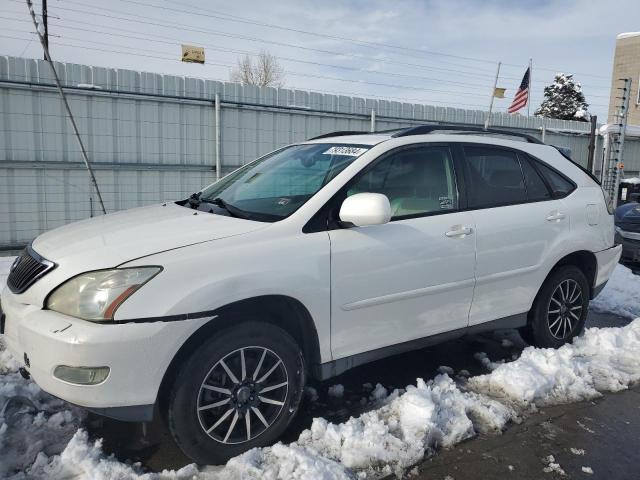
519,223
412,277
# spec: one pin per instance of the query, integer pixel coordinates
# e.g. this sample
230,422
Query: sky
442,53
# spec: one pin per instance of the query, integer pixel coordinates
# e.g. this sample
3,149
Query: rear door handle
556,216
459,231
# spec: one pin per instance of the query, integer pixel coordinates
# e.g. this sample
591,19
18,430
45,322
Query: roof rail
425,129
339,133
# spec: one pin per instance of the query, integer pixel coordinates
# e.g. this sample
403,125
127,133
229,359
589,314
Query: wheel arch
583,259
282,311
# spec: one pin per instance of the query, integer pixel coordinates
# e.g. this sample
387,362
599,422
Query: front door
414,276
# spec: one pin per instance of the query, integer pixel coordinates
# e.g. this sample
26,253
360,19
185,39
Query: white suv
309,261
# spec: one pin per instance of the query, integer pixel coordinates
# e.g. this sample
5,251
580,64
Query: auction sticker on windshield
349,151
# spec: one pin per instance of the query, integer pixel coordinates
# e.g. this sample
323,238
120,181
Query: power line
161,55
174,41
294,73
236,18
184,27
181,27
125,52
300,74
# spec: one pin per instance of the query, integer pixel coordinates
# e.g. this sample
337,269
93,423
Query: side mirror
364,209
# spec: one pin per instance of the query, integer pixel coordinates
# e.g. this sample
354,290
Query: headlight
96,295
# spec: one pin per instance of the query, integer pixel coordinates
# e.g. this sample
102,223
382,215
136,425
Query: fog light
81,375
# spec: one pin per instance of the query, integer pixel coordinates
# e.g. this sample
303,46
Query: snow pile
336,391
380,442
83,459
5,264
33,424
621,296
40,436
603,359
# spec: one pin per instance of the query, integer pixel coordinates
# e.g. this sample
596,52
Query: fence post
218,136
592,143
373,120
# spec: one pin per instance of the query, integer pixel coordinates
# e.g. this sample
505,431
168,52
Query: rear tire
559,311
255,370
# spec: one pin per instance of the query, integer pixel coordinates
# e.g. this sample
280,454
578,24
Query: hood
110,240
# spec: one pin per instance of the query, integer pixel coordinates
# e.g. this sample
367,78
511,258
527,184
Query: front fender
207,277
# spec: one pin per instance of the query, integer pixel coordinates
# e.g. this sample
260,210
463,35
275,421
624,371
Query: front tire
559,311
237,391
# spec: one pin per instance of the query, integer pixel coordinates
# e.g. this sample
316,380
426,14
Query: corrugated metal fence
152,137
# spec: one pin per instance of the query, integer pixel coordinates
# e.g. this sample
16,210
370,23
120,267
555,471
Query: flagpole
493,94
530,87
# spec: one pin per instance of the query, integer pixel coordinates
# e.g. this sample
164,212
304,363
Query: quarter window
560,186
417,181
495,177
536,189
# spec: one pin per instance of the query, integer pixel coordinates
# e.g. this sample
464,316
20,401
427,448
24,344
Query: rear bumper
137,354
607,261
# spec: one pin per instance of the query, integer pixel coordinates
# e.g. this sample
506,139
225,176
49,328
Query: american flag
522,95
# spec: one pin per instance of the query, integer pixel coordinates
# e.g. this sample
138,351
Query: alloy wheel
565,309
242,395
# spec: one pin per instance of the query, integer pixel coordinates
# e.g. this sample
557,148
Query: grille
27,269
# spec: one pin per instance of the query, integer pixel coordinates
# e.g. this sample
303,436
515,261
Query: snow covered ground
41,437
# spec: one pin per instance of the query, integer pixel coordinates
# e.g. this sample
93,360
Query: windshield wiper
194,200
233,211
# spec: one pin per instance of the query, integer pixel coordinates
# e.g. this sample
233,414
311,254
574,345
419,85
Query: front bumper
630,242
138,355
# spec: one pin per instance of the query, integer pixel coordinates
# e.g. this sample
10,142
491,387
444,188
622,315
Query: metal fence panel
152,137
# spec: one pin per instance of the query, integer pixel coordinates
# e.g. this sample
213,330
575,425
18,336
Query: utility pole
47,57
45,24
493,95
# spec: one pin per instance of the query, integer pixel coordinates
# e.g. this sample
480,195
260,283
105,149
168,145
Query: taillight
608,202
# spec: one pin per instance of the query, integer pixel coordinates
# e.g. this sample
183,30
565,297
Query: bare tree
264,71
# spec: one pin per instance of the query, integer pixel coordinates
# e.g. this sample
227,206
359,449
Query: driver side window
417,181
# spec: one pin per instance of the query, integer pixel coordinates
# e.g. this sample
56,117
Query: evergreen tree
564,100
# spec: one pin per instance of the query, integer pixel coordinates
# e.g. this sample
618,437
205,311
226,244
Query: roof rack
339,133
425,129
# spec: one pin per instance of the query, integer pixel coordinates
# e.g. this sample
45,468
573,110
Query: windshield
273,187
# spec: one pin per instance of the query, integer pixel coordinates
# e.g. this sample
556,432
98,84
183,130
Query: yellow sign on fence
192,54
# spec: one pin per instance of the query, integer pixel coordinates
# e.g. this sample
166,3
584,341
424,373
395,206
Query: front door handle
556,216
459,231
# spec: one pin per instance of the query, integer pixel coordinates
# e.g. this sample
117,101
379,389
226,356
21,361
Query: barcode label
348,151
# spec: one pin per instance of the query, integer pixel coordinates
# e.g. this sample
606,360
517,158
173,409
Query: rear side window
536,189
560,186
495,177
